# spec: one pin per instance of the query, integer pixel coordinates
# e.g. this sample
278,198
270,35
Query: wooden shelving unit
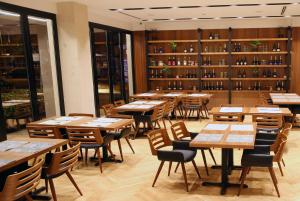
222,57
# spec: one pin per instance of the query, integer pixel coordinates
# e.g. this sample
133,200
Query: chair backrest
80,115
179,131
22,183
283,134
84,136
236,117
158,139
267,121
63,161
169,107
278,155
40,131
267,105
108,109
158,112
118,103
191,101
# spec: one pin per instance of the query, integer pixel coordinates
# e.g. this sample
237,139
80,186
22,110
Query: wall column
75,55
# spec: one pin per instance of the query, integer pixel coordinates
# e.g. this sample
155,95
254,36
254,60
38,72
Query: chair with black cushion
118,103
180,132
180,153
60,163
89,138
260,157
124,133
20,184
268,125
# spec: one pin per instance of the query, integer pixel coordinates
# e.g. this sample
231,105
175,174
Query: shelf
170,91
161,67
259,66
171,79
214,91
214,40
215,66
259,39
214,79
257,91
172,54
170,41
11,56
239,53
214,53
259,79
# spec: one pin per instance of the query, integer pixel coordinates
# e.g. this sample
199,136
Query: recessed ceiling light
263,17
194,18
216,18
239,17
119,9
172,19
287,16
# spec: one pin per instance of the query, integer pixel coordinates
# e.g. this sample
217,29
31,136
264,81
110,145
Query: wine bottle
237,61
169,61
156,73
213,73
237,86
180,85
161,74
185,50
217,87
169,86
210,36
239,74
280,60
174,85
278,47
274,49
264,74
178,62
245,61
209,61
278,86
184,61
173,61
282,85
205,74
191,48
274,73
259,86
152,73
204,61
225,48
222,87
239,47
244,73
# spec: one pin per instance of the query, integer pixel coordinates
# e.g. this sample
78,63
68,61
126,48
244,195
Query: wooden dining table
250,111
103,124
227,136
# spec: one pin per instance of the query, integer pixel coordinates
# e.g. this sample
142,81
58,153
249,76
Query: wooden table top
101,123
18,151
226,135
140,106
285,98
252,111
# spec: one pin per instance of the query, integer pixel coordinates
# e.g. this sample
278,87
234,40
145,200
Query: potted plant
166,70
173,46
255,72
254,44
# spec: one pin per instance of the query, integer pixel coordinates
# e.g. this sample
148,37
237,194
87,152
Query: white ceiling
101,8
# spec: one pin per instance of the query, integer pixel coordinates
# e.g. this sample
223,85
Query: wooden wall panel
295,71
140,70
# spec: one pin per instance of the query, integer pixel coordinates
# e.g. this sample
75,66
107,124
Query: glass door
16,101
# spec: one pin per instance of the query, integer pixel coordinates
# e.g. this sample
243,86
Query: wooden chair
157,115
190,105
21,184
181,153
180,132
169,109
80,115
118,103
89,138
41,131
270,122
109,112
60,163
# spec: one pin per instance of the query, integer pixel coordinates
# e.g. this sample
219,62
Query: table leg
224,184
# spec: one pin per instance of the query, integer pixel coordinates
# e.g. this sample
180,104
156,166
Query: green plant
173,46
255,43
166,70
255,72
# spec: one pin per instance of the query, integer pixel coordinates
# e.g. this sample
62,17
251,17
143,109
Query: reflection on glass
13,80
44,65
102,67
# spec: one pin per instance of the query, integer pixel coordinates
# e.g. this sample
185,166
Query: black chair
180,153
260,157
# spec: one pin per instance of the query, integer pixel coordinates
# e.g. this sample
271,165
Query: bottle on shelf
152,73
259,86
244,75
213,73
173,61
239,74
237,86
264,74
282,85
221,86
180,86
174,85
169,86
161,74
278,87
189,63
155,49
274,49
169,61
240,86
161,50
209,61
178,62
225,47
185,50
205,74
184,61
191,48
238,62
210,36
156,73
274,73
269,73
278,47
245,61
271,61
280,60
217,86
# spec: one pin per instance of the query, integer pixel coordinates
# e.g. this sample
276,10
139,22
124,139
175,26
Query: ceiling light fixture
2,12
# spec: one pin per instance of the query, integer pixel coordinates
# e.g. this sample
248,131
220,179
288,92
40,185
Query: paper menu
231,109
239,138
11,144
138,102
197,95
202,137
128,106
32,147
5,161
155,102
172,95
268,110
241,127
96,124
53,122
107,120
68,118
216,127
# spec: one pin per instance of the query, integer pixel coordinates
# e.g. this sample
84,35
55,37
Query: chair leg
128,142
73,182
86,156
283,162
212,156
184,175
272,173
120,148
99,159
195,166
280,168
176,167
158,172
170,166
170,120
244,175
52,189
46,185
164,123
204,160
28,197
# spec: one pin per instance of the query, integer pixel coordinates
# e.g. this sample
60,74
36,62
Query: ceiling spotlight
194,18
239,17
172,19
119,9
287,16
263,17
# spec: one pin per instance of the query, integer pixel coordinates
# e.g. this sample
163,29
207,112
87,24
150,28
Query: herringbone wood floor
132,179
